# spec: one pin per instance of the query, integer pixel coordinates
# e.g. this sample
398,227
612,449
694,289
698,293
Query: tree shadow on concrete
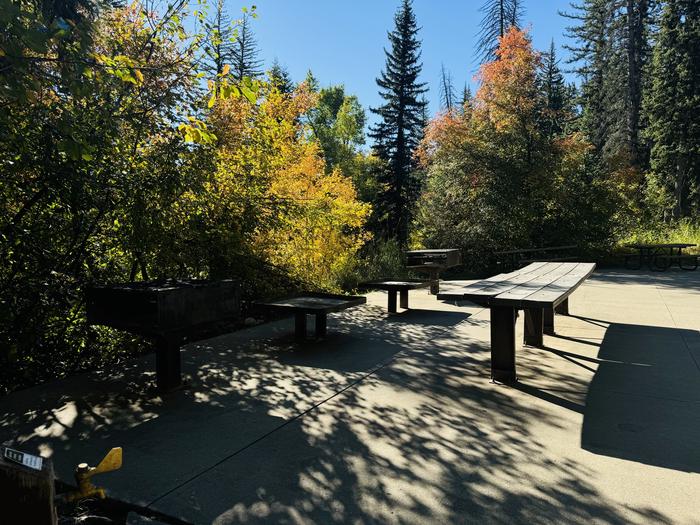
265,434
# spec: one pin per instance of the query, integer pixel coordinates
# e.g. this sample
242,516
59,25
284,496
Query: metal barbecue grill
170,311
433,262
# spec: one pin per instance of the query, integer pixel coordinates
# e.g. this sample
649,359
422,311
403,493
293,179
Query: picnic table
538,289
317,304
661,256
397,285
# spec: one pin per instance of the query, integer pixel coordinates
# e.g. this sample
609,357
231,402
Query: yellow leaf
225,70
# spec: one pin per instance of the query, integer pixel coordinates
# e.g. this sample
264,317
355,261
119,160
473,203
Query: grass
683,231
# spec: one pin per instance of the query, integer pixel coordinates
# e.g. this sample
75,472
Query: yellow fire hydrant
84,473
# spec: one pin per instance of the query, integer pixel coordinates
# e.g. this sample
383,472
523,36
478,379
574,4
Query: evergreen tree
279,78
402,119
611,53
673,106
556,94
311,81
499,16
466,101
244,54
447,91
218,49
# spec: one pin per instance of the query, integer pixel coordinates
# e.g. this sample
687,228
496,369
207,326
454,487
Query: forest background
148,140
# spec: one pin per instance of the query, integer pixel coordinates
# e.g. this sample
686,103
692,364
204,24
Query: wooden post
168,367
503,344
27,495
300,326
534,327
548,320
563,307
404,299
321,323
392,301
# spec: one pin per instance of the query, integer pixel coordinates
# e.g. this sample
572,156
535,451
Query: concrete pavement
392,419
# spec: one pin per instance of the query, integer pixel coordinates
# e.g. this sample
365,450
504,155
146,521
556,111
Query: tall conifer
611,53
401,122
673,106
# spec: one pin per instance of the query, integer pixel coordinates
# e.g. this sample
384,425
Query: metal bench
539,289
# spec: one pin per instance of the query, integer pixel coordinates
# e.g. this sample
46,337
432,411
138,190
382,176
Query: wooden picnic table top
642,246
538,285
314,303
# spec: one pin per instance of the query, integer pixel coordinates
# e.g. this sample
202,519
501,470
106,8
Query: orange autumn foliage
508,93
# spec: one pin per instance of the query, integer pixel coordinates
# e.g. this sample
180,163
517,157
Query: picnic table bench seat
538,289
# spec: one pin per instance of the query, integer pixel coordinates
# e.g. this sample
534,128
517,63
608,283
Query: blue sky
342,41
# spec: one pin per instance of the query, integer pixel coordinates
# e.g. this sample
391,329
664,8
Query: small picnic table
318,304
661,256
397,285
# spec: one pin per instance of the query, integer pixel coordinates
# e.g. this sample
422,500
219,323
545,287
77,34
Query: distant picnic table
661,256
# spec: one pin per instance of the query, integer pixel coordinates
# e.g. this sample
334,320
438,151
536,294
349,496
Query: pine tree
673,106
311,81
466,102
556,94
499,16
447,90
245,61
279,78
611,55
402,119
218,49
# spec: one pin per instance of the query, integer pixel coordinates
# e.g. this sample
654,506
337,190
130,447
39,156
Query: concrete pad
392,418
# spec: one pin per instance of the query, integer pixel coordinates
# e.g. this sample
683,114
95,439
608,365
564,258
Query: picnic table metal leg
563,307
392,301
300,326
168,366
403,296
503,344
548,320
534,326
321,323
